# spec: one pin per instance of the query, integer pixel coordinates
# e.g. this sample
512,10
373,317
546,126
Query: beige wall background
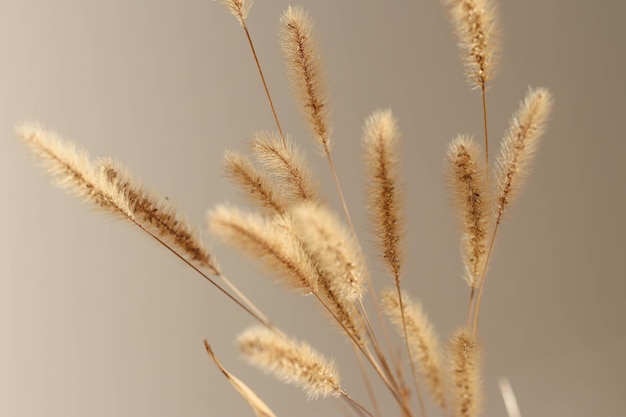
96,320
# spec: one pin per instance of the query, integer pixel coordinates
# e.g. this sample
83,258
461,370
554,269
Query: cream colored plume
466,174
423,342
463,359
157,215
264,240
256,185
239,8
380,141
73,170
477,30
290,361
301,53
519,146
287,164
332,249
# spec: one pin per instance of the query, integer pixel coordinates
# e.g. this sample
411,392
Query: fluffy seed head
287,164
385,199
266,241
239,8
475,23
519,146
467,179
290,361
422,339
301,53
73,170
464,357
332,249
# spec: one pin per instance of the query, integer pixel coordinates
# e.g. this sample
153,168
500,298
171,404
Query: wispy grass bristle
256,185
519,146
463,358
262,239
157,215
239,8
424,342
476,26
301,52
291,361
380,140
467,178
288,165
73,170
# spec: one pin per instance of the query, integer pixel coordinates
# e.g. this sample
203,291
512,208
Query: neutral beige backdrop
96,320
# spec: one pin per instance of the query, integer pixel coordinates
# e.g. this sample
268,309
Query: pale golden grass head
464,363
157,215
266,241
301,52
519,146
256,185
476,26
380,141
424,343
467,178
239,8
73,170
290,361
286,162
332,248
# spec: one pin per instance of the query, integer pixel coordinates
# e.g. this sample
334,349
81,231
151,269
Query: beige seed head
463,359
239,8
290,361
380,140
301,52
519,146
466,175
422,339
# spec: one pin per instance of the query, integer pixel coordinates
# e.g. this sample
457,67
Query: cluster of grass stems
296,237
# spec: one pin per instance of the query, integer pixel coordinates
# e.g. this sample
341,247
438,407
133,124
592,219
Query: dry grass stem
519,146
289,166
157,215
478,36
265,241
239,8
385,201
425,347
300,49
290,361
258,186
463,360
73,170
466,174
258,406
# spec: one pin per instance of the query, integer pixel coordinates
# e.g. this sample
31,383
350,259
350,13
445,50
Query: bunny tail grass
463,357
425,346
255,185
290,361
385,201
519,146
262,239
301,53
288,164
157,215
478,34
466,175
239,8
73,170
